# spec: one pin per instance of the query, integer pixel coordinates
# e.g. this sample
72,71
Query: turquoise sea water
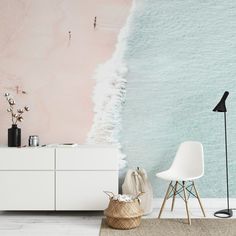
181,57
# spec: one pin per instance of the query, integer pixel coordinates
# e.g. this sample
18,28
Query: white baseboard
208,203
210,206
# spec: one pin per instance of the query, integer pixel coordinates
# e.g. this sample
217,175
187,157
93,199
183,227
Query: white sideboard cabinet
61,179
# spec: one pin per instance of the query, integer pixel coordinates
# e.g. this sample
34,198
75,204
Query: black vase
14,136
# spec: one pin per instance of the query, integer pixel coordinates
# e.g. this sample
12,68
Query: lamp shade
220,107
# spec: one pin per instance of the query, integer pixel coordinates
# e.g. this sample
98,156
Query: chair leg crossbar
187,190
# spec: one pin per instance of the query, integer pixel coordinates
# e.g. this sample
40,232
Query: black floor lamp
220,107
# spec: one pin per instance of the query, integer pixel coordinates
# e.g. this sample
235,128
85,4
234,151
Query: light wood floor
87,223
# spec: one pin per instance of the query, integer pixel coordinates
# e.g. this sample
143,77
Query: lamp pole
226,162
220,107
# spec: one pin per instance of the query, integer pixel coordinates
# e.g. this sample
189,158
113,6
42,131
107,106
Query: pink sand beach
50,49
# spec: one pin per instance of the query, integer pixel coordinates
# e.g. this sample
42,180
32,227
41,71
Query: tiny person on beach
70,35
95,22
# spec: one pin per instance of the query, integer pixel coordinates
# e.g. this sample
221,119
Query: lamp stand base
226,213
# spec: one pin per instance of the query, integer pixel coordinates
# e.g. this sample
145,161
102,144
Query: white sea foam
109,94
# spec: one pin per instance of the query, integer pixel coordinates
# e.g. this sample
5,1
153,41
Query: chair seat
173,176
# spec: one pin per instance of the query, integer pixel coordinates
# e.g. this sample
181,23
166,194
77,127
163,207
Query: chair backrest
189,159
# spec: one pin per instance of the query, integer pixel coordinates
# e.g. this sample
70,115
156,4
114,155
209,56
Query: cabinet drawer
83,190
27,158
86,158
26,190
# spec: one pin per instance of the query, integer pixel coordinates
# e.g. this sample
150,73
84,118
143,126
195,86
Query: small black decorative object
220,107
14,136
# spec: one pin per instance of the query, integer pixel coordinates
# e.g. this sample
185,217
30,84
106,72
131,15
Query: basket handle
109,194
138,195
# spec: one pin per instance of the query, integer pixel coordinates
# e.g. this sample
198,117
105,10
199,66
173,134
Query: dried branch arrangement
16,114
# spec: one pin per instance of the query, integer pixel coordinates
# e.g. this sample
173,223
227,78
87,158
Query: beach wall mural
51,50
181,57
142,74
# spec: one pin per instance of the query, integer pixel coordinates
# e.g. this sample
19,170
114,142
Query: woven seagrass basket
123,215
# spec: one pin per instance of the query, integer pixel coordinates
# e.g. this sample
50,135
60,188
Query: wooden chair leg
199,200
186,203
164,201
174,195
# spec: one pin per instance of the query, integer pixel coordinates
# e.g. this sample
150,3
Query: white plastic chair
188,165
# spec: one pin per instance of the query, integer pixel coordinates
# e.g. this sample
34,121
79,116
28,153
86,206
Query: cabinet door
83,190
26,190
27,158
87,158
